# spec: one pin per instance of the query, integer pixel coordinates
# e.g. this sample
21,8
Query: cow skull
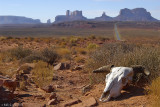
117,79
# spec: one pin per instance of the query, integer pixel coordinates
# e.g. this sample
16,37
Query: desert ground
53,65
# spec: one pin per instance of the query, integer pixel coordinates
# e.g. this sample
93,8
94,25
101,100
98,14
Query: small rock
39,97
36,86
78,67
61,66
71,102
86,88
48,89
32,105
70,82
61,78
17,105
24,77
27,71
55,78
44,105
52,102
59,86
26,68
79,105
90,102
52,96
59,99
16,77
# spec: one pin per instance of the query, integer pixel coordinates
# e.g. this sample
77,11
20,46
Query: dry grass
80,59
19,52
82,51
92,46
155,92
42,74
64,53
23,86
2,38
121,54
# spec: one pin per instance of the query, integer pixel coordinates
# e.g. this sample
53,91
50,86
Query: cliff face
138,14
70,16
18,20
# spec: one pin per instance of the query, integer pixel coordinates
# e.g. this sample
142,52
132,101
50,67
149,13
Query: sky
48,9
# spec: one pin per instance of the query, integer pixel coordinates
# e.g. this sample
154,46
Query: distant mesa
137,14
18,20
70,16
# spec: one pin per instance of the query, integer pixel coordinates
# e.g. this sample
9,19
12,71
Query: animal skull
117,79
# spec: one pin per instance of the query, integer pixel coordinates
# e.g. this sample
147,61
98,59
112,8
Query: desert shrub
64,53
22,86
82,51
121,54
73,41
92,37
50,55
20,52
36,56
9,37
47,55
92,46
30,39
2,38
155,92
5,56
80,60
63,44
103,38
42,73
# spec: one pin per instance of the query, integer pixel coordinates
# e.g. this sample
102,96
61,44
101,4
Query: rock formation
104,17
18,20
137,14
70,16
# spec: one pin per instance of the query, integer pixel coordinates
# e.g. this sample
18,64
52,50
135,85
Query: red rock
52,96
62,66
90,102
32,105
71,102
48,89
17,105
52,102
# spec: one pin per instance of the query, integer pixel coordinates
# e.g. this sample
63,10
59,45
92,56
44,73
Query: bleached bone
118,78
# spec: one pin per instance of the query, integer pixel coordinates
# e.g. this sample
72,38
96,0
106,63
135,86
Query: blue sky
48,9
